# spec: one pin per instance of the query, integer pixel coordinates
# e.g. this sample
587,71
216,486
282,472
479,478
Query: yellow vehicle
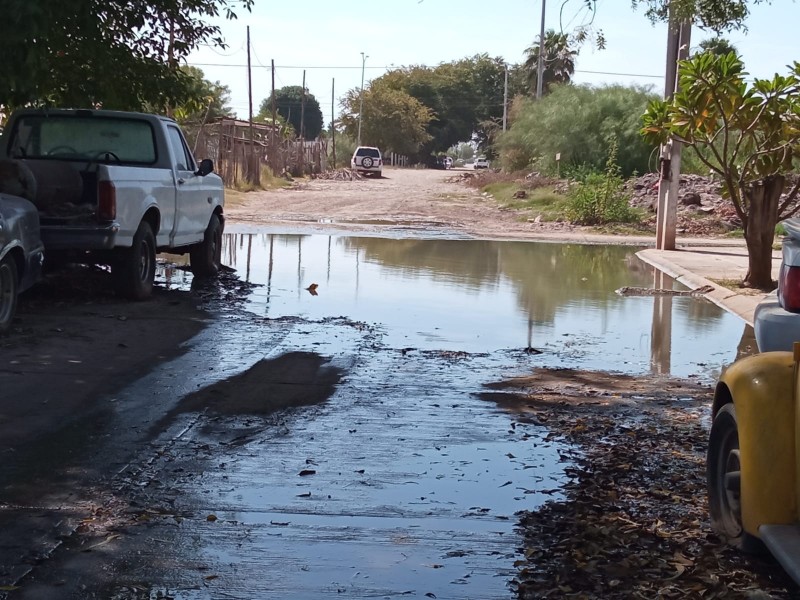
752,467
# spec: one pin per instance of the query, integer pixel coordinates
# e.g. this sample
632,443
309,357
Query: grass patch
737,285
269,181
543,201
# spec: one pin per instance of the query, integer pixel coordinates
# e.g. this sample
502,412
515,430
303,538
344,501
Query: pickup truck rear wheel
206,257
135,267
723,470
9,286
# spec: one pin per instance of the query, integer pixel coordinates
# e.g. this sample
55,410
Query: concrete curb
743,306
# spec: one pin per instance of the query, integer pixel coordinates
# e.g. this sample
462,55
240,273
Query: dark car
21,253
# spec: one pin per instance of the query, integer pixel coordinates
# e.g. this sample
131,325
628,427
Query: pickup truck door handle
181,181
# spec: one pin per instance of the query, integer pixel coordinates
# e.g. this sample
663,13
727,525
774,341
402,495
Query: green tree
462,95
208,100
110,53
289,105
717,45
392,120
716,15
577,122
559,61
749,135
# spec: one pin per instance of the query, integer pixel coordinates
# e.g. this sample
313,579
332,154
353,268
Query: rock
691,199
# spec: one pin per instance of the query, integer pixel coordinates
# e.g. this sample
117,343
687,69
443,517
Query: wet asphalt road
290,459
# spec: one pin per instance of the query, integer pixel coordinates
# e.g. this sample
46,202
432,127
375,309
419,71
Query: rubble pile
701,208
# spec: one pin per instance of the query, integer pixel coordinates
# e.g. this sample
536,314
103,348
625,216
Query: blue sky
326,39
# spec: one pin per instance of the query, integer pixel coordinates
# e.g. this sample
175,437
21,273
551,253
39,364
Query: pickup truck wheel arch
205,257
135,267
9,286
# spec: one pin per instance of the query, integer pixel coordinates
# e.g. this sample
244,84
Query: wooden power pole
333,121
303,109
253,175
273,161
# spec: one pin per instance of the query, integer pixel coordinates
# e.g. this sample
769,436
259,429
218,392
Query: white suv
367,160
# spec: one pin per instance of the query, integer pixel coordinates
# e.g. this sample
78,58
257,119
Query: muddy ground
633,522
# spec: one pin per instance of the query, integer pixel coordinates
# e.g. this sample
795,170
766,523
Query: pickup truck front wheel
9,286
206,257
135,267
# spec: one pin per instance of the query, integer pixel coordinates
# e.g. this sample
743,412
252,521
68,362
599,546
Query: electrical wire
394,67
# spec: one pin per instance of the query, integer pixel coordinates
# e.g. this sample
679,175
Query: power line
647,75
622,74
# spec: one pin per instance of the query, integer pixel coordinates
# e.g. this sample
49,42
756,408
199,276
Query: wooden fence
238,159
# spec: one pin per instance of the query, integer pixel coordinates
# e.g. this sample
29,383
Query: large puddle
487,296
402,482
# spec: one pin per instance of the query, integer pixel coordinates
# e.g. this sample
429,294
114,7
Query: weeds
599,198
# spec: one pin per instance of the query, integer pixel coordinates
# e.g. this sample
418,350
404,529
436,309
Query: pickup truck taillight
789,288
106,201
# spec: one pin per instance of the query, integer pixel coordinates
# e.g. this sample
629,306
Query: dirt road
402,202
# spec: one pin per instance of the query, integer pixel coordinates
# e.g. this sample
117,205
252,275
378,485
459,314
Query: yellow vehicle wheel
723,470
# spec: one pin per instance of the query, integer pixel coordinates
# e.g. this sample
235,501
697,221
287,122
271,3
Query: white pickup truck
114,188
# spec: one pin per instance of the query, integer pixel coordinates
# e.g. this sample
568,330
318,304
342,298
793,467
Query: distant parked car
438,162
21,253
367,160
481,163
777,317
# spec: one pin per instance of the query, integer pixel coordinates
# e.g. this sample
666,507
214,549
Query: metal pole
361,94
540,64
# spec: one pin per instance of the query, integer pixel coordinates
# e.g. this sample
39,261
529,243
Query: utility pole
253,174
678,39
361,94
540,63
273,162
303,110
333,121
505,101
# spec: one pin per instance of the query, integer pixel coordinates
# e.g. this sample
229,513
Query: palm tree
559,60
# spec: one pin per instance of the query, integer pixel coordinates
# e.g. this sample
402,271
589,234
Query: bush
576,122
600,198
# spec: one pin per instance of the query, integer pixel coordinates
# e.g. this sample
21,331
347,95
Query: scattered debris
339,175
641,291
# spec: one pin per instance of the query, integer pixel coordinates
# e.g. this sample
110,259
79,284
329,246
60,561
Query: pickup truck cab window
183,158
75,138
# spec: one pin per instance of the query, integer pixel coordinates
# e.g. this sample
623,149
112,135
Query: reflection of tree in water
545,276
552,275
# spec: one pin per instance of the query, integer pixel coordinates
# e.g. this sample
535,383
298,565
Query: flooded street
326,437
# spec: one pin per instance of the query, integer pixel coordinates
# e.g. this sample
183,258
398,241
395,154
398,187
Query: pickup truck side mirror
206,167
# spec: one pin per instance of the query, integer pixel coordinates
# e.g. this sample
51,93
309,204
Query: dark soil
634,519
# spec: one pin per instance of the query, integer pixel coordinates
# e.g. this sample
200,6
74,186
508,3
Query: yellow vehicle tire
723,471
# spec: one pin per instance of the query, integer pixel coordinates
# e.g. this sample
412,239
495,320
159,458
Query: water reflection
483,296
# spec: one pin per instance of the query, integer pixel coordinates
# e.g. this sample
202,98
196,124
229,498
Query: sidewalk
699,266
